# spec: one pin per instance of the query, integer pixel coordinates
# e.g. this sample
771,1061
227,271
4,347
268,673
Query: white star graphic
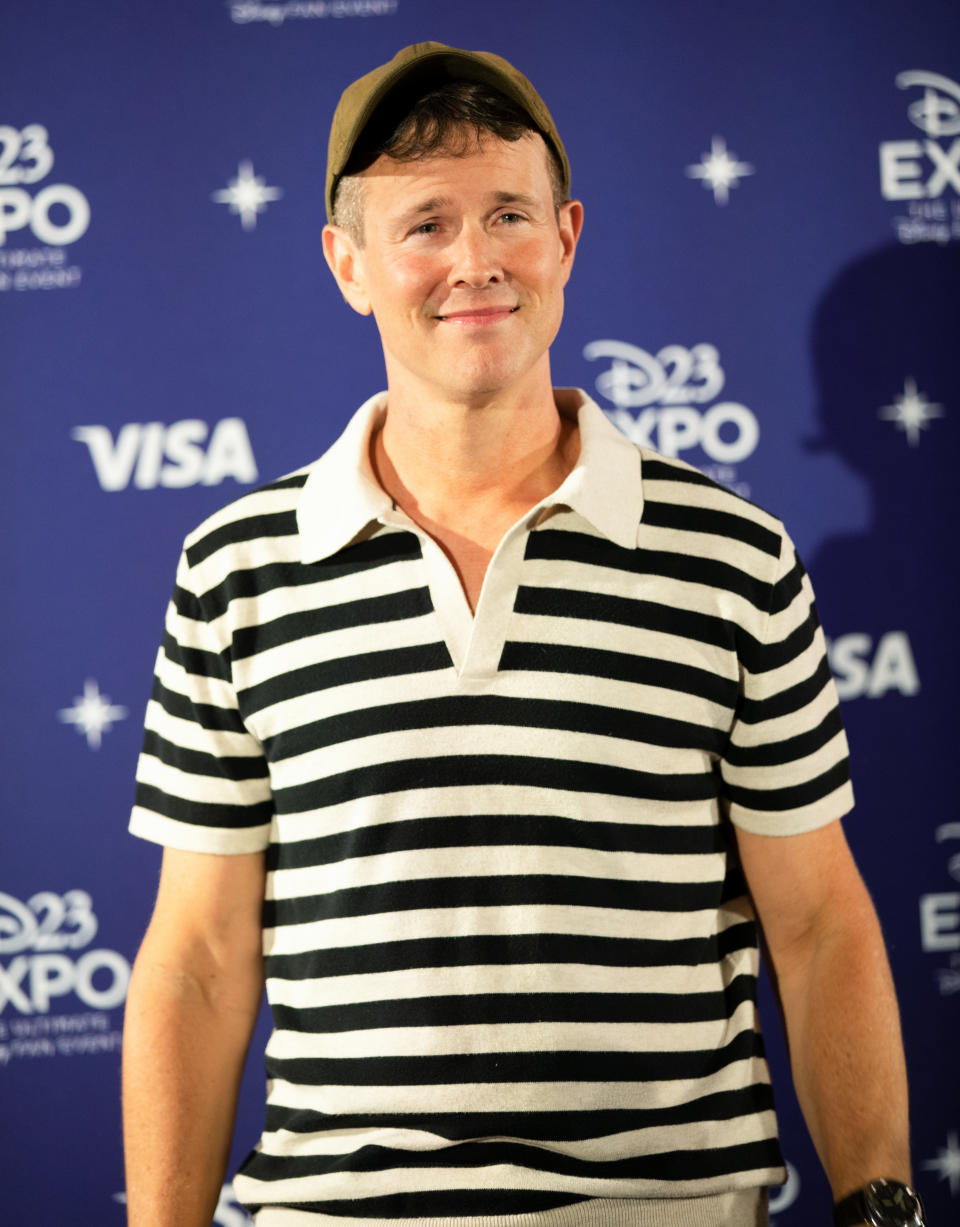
911,411
720,170
947,1163
247,195
948,978
93,714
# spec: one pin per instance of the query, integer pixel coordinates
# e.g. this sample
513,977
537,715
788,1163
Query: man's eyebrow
437,203
520,198
433,205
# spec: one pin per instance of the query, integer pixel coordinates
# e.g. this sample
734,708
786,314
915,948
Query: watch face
892,1205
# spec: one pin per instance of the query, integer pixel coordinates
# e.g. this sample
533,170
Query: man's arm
192,1005
837,996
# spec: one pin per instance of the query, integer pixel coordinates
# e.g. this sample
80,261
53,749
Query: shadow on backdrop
885,345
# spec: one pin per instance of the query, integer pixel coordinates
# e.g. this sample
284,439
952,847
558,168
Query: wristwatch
881,1203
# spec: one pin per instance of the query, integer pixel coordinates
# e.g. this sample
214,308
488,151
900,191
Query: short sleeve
202,779
786,769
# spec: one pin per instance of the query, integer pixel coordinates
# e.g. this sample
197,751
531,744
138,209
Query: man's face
463,267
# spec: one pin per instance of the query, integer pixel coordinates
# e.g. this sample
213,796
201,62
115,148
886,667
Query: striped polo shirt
510,954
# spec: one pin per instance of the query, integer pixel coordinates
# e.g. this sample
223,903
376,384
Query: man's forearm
184,1048
846,1051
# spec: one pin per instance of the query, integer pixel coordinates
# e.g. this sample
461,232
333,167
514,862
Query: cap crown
421,67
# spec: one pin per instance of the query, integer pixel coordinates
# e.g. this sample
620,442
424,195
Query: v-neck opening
474,639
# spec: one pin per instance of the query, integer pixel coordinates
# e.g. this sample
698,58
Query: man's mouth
483,315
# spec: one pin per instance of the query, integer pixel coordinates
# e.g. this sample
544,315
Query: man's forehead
524,158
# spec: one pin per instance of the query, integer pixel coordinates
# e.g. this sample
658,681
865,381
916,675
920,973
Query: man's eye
426,228
511,217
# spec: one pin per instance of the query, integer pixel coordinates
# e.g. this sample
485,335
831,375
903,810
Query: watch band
882,1203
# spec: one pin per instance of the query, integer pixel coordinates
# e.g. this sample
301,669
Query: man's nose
475,260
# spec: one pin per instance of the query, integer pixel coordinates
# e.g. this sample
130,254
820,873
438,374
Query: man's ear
345,259
569,224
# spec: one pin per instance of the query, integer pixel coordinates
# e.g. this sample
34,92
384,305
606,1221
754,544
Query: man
465,738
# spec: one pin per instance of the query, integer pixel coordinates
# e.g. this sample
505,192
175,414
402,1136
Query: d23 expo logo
925,174
940,913
48,968
53,215
663,400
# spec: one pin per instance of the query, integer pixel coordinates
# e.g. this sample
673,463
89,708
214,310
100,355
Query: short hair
452,119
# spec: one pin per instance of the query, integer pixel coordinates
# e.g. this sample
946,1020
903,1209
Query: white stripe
511,1037
205,789
335,645
715,498
191,736
243,555
326,594
787,775
424,982
501,1176
739,1131
483,921
516,1096
196,687
191,838
558,745
422,864
492,799
672,594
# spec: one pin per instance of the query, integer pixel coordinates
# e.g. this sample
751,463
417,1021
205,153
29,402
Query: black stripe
794,698
513,891
691,519
788,588
758,657
215,766
710,629
187,604
796,797
662,470
269,525
503,1068
564,1126
381,550
509,950
620,666
490,1009
196,661
432,1203
494,770
305,623
342,671
675,1165
451,711
498,830
294,481
774,754
561,545
203,813
565,602
218,719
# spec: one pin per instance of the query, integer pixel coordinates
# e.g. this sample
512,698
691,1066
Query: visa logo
151,454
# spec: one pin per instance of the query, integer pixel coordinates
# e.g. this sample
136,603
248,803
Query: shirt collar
342,498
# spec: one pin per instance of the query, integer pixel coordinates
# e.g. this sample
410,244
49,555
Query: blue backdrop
767,286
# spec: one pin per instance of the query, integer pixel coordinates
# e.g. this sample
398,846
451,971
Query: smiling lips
477,317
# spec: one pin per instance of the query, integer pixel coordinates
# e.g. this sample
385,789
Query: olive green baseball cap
426,65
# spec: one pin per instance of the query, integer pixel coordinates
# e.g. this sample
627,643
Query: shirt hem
738,1208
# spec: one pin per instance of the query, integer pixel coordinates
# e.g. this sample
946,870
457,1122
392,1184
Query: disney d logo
937,113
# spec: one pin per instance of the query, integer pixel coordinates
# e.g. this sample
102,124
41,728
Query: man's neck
473,469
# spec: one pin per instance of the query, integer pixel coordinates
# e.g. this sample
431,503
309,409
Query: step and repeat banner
768,287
